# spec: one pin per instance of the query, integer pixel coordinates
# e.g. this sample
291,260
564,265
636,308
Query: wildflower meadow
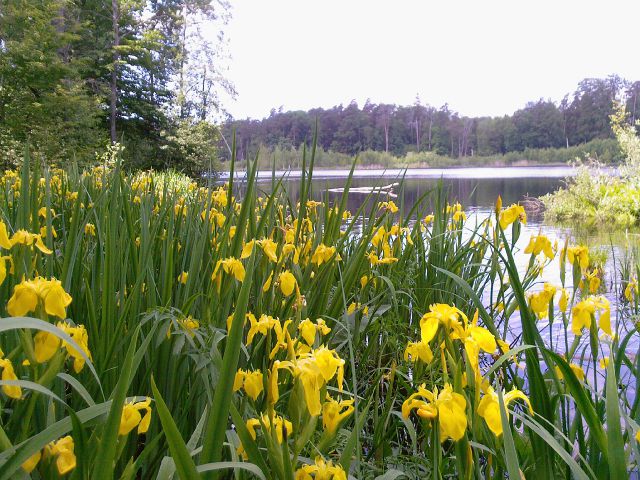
155,327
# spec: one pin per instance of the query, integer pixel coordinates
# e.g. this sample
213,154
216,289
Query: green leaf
219,413
106,455
511,456
185,466
250,467
615,442
352,441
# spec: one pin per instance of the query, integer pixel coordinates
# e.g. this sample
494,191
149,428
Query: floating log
386,189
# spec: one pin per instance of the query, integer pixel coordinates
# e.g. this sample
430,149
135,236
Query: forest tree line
580,117
77,75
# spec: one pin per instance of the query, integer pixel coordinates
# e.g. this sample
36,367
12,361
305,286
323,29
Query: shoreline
546,171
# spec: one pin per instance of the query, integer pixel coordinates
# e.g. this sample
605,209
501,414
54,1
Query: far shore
538,171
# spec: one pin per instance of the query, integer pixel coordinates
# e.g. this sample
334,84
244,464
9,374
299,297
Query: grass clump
597,197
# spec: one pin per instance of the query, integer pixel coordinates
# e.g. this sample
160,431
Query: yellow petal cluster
28,294
489,407
8,374
251,381
538,244
584,311
630,291
321,470
334,412
539,301
323,254
578,254
308,330
287,283
314,370
268,423
446,405
511,214
131,417
231,266
22,237
441,314
79,335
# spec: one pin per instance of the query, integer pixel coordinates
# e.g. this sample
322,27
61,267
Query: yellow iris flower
446,405
389,206
11,391
630,291
334,412
251,381
594,280
131,417
3,267
45,346
81,337
441,314
22,237
489,408
540,243
375,260
583,312
231,266
580,255
314,370
28,293
564,300
5,242
269,248
321,470
475,338
90,229
287,283
539,301
308,330
511,214
63,451
278,422
418,351
323,254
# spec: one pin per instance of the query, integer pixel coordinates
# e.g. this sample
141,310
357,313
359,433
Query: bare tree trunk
417,135
181,94
115,17
386,135
430,128
203,107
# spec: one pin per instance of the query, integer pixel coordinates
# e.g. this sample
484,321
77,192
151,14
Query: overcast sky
482,57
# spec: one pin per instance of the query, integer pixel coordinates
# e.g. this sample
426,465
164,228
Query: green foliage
399,130
606,151
63,62
596,197
44,98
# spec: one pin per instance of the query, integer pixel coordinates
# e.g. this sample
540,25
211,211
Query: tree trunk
203,107
115,17
183,47
386,135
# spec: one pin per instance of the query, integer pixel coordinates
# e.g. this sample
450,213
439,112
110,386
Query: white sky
483,57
